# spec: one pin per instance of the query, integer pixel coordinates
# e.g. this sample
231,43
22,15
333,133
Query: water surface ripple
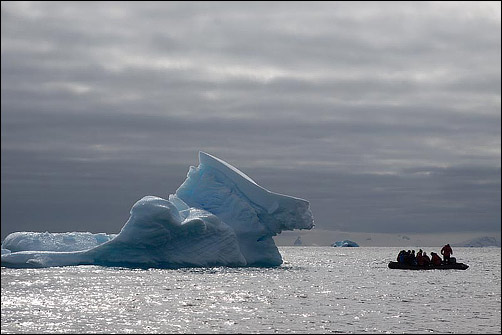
316,290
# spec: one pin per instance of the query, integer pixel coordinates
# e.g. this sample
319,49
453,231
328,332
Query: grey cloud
386,116
466,198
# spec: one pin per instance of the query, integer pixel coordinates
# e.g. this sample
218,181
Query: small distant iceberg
298,241
217,217
345,243
479,242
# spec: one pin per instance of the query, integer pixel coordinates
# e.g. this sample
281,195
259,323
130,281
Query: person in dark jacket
412,259
425,259
401,256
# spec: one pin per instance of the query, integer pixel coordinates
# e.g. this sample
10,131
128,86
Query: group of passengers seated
422,259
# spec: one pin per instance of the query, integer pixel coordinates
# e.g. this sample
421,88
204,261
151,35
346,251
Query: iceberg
298,241
479,242
26,241
218,217
345,243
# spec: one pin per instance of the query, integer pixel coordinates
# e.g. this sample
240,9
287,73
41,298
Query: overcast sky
384,115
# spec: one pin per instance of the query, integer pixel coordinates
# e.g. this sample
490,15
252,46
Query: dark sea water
316,290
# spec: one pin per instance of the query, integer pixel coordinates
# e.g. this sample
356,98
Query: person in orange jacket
436,260
446,252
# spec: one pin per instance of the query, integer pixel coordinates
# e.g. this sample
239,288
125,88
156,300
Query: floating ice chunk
298,241
345,243
218,216
75,241
156,235
42,259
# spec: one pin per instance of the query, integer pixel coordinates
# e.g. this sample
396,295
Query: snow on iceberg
345,243
217,217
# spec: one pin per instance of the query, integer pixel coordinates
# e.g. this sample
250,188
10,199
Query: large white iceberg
217,217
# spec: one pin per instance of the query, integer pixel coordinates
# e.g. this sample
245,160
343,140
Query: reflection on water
316,290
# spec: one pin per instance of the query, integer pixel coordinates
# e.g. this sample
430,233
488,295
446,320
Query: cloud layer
386,116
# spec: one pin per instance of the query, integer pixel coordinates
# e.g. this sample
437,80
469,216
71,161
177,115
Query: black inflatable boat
456,266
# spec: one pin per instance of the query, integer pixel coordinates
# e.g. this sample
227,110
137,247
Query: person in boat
401,257
435,259
407,257
446,252
420,259
412,259
420,262
426,261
